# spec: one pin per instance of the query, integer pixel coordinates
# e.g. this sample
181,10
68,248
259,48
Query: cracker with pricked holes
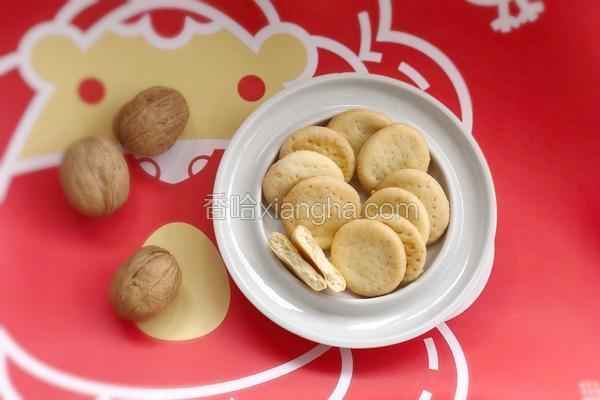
429,191
414,245
291,258
322,204
394,147
291,169
308,247
371,257
393,200
357,125
325,141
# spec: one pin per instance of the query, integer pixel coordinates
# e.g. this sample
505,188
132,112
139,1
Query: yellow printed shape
206,70
203,298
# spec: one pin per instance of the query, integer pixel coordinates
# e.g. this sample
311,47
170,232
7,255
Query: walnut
151,122
94,176
145,284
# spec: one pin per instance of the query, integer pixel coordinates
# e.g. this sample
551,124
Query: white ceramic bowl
457,266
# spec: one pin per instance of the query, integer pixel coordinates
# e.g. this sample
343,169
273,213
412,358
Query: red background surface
533,333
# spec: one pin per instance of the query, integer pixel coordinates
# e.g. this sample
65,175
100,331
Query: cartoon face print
222,79
58,292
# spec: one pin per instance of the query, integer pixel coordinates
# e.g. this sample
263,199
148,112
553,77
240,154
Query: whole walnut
94,176
145,284
151,122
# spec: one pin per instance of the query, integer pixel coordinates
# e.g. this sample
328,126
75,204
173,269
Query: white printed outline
269,11
460,362
11,350
7,390
8,63
505,22
414,75
343,384
432,355
365,53
425,395
342,51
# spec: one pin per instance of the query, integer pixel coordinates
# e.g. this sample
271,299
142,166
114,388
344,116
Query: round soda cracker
393,200
371,257
322,204
394,147
291,169
414,245
429,191
357,125
325,141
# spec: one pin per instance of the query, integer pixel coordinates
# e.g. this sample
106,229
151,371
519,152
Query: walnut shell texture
94,176
151,122
145,284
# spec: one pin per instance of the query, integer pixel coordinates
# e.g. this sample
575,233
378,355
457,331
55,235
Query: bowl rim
455,303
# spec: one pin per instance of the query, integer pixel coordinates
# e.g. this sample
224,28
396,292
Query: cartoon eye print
251,88
91,90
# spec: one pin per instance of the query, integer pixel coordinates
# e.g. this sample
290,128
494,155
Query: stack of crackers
375,245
